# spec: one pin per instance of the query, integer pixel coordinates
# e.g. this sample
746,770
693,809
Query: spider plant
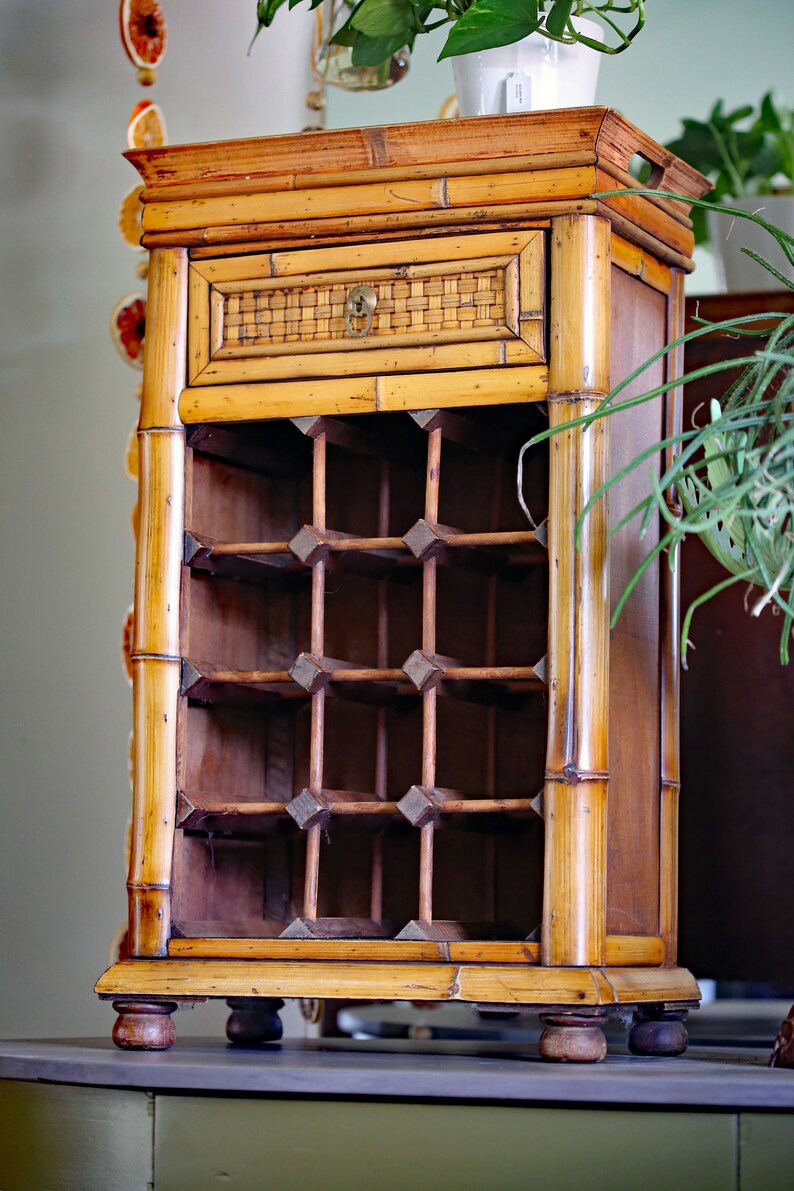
734,475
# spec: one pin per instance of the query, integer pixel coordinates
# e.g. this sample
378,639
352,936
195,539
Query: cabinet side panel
638,322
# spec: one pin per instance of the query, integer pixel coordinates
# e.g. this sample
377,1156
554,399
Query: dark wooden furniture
737,749
377,707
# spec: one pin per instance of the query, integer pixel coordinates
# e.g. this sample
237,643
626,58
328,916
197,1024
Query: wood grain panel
639,326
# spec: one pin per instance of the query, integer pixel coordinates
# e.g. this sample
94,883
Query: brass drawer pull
360,303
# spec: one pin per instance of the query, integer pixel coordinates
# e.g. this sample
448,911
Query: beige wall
68,405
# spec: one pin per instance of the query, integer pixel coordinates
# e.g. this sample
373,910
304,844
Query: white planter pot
739,272
530,75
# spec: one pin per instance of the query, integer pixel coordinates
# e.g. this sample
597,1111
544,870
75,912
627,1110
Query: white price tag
519,93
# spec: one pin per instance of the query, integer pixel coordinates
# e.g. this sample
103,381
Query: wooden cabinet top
487,171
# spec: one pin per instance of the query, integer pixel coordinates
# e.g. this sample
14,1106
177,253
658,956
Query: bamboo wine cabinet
386,745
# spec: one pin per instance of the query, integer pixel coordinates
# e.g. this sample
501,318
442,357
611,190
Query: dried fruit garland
144,36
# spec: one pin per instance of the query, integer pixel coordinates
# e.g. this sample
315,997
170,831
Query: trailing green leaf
478,24
385,19
372,51
491,23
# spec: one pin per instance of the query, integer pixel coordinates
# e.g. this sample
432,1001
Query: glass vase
334,63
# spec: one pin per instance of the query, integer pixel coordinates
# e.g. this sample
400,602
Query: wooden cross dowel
317,737
487,551
221,549
428,670
253,562
424,805
429,697
311,882
426,873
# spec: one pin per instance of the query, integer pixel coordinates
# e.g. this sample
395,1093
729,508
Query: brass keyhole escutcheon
360,304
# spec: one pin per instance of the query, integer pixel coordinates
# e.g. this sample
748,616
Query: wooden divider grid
425,676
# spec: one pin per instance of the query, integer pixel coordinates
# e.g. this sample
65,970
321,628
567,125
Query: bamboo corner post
385,743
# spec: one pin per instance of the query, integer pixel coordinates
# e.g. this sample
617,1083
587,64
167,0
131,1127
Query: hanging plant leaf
559,16
385,18
491,23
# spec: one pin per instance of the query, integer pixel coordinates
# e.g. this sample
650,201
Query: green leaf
697,146
767,160
559,17
739,114
266,10
346,36
371,51
770,117
491,23
385,18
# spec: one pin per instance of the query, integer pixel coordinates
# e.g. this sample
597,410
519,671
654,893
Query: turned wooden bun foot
144,1025
659,1033
573,1038
253,1020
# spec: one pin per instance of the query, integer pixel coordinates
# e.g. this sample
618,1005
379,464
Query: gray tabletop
733,1078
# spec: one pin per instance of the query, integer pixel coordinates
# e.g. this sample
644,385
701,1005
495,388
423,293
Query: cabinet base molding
502,984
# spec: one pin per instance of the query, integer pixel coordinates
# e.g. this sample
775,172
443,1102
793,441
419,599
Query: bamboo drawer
462,302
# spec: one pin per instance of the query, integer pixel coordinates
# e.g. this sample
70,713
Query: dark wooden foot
254,1019
658,1032
144,1025
783,1050
573,1037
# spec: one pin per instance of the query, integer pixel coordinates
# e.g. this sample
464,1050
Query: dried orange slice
119,945
131,454
449,109
128,328
146,128
126,643
130,217
144,36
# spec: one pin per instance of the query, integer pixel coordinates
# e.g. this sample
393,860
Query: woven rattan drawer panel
312,314
474,301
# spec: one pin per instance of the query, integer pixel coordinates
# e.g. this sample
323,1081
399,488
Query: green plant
376,29
743,152
735,475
